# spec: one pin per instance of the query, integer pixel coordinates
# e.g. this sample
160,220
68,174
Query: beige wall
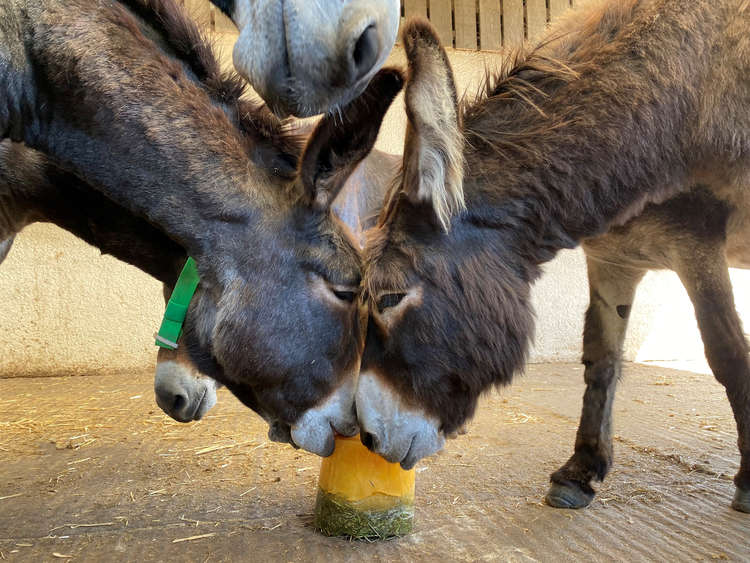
68,310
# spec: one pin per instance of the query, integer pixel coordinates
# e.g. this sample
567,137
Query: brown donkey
116,93
627,102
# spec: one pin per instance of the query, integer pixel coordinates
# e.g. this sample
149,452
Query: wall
68,310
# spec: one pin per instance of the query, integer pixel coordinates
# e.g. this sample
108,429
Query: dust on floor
91,470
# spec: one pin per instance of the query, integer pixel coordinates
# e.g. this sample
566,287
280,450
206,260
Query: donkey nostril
179,402
365,52
369,440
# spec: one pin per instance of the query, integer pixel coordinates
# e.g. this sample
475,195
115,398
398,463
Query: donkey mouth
393,428
281,432
410,460
198,412
314,431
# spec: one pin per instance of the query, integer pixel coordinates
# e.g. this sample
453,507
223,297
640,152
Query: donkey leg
612,289
709,287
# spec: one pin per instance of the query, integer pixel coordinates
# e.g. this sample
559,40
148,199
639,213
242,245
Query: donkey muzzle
390,427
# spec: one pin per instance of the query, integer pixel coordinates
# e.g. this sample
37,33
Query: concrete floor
91,470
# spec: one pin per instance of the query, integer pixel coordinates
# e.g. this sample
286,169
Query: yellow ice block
362,495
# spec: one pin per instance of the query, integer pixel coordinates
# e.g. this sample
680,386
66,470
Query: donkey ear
342,139
433,150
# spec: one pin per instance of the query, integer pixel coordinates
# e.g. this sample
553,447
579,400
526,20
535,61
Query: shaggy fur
100,89
628,102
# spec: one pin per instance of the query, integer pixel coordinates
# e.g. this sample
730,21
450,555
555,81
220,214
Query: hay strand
192,538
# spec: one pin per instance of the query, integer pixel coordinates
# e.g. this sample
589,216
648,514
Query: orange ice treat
361,495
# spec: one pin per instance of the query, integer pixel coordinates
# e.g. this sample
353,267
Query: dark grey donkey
181,390
127,96
56,196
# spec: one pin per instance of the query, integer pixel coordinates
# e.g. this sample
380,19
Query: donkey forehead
330,251
404,252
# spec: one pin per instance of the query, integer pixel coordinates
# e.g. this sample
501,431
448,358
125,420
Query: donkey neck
108,104
33,189
568,149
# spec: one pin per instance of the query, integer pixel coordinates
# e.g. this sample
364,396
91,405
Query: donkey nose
369,440
363,54
179,402
172,401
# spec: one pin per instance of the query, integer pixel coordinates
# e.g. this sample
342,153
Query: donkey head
446,317
307,57
276,316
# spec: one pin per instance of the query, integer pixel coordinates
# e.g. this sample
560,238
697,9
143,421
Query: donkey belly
668,234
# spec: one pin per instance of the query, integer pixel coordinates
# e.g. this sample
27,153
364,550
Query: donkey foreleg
706,279
611,289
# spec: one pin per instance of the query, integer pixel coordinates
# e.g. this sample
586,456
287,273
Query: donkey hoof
568,495
741,501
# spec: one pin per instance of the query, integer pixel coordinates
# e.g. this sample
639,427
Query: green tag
171,325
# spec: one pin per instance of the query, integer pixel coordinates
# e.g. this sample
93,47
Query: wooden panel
501,23
557,7
441,17
465,12
415,8
512,23
222,24
536,18
490,34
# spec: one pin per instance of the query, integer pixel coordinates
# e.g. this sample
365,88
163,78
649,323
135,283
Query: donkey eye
389,300
347,296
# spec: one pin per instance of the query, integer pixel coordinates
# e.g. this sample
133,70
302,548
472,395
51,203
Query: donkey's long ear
433,151
341,140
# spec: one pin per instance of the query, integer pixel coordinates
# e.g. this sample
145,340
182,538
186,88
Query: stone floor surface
91,470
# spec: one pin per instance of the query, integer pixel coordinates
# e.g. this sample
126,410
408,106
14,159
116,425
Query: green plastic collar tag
174,316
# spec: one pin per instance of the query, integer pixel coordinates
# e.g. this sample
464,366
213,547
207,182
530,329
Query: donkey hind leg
5,247
611,289
709,287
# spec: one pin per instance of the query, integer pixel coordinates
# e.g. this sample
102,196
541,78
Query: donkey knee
730,367
600,374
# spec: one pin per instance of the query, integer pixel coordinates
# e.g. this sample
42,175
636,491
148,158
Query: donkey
305,58
115,93
34,189
182,391
53,195
615,110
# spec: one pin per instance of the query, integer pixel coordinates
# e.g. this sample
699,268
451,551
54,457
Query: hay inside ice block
361,495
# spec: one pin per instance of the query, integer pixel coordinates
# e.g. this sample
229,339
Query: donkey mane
525,71
193,47
526,77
